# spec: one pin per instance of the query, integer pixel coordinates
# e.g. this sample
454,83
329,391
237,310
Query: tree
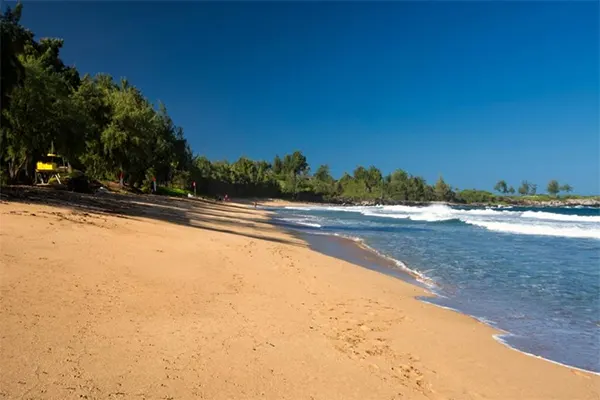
343,183
324,182
322,174
511,190
294,165
13,39
566,188
40,112
553,187
365,181
532,189
442,190
277,166
501,187
129,137
373,178
399,184
92,99
263,170
524,188
360,173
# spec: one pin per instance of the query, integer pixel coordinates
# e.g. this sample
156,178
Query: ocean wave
312,224
560,217
438,212
419,276
532,229
494,219
515,222
301,221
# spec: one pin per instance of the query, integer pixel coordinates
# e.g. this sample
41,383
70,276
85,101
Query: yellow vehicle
50,166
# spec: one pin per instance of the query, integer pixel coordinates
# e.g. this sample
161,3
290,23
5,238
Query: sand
124,297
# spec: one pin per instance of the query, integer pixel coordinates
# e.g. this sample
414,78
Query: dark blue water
534,273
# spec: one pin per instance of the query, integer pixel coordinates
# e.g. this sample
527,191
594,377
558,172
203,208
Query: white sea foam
309,224
515,222
302,221
498,220
532,229
560,217
420,277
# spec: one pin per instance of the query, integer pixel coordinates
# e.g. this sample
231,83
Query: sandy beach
140,297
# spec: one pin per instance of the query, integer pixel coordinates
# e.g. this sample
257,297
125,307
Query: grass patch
173,192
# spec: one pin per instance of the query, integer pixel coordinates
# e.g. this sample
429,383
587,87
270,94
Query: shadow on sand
195,213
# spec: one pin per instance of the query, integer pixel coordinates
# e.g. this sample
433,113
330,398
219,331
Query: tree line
527,188
110,131
101,126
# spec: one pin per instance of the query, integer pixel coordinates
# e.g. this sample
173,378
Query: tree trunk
14,169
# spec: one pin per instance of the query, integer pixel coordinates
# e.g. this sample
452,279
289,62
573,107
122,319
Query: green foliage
566,188
322,181
527,188
373,180
171,191
538,197
553,187
40,112
475,196
532,189
443,192
98,125
524,188
13,38
277,166
501,187
294,169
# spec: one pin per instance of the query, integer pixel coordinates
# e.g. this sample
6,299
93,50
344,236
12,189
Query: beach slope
132,297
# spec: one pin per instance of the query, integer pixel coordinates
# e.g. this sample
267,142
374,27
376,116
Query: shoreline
212,300
398,269
389,267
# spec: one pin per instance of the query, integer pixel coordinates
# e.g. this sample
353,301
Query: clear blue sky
474,90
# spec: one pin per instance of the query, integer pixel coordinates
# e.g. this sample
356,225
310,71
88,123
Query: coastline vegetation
111,132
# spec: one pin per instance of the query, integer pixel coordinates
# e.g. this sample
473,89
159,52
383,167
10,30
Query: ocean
533,273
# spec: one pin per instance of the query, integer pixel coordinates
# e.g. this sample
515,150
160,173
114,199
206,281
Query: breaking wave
300,221
493,219
532,229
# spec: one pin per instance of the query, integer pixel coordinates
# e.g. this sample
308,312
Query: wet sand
355,252
144,297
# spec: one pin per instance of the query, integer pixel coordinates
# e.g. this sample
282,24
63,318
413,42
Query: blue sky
475,91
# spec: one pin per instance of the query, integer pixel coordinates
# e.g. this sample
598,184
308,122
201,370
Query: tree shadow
195,213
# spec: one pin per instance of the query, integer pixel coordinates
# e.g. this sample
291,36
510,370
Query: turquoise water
533,273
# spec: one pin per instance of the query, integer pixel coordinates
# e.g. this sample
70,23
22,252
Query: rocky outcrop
563,202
